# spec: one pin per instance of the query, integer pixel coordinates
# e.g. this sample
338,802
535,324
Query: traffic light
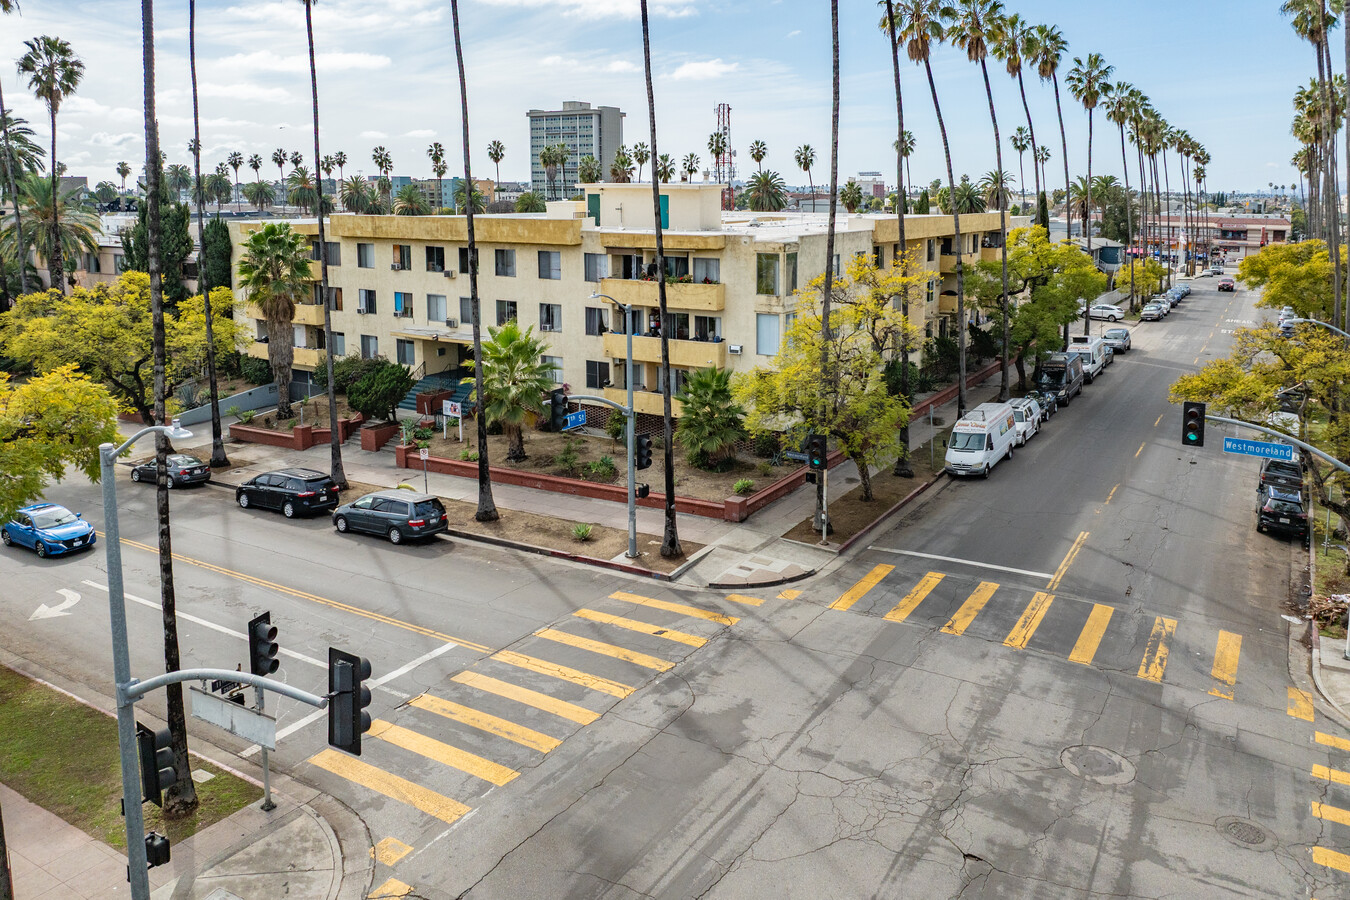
557,415
347,700
1193,424
642,452
157,768
156,849
262,645
816,452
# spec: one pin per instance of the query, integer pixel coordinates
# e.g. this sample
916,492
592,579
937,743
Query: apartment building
400,288
585,130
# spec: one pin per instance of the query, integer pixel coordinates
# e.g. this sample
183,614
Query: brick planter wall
300,437
429,403
373,437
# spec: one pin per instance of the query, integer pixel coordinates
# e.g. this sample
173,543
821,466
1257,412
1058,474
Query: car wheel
5,538
288,510
985,473
1010,452
1113,318
242,499
168,482
41,549
135,474
340,523
395,536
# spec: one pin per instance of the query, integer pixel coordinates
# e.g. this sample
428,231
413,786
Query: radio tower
725,165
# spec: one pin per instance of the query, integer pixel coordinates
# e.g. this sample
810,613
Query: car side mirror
79,515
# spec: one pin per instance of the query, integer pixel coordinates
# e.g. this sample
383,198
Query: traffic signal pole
632,422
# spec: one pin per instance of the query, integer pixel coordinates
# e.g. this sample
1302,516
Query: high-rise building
584,130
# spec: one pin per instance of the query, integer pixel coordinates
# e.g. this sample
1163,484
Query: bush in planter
348,370
712,421
468,455
567,459
743,486
379,391
766,445
246,416
581,532
602,468
617,427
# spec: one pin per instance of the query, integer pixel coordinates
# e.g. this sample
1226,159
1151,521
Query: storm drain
1245,833
1097,764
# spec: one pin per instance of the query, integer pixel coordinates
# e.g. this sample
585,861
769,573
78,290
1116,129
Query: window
766,334
707,328
506,311
789,320
435,259
932,289
597,373
932,249
403,305
877,256
365,256
91,262
464,260
836,265
506,263
339,344
407,356
946,247
792,272
678,325
550,265
465,311
550,317
334,251
707,271
597,320
365,302
766,273
402,257
554,366
437,309
677,266
370,346
334,297
119,263
597,264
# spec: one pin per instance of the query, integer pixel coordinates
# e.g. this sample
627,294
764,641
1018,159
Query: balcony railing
684,353
679,295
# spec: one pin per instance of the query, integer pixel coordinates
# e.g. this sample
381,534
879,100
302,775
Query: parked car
1286,314
1093,355
182,470
1047,401
1281,510
978,441
1108,311
1281,473
1026,417
1151,312
399,515
1226,284
48,529
1118,339
1184,288
1061,374
296,492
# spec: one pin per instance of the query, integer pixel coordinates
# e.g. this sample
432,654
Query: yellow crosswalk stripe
789,594
1331,813
484,722
604,649
1090,638
391,889
971,608
1225,664
1030,621
914,597
1335,776
563,673
1331,740
561,708
390,850
1300,704
1154,663
864,584
669,634
382,782
1331,859
748,600
441,752
681,608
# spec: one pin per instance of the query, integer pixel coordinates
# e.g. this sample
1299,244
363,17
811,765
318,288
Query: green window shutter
665,211
593,207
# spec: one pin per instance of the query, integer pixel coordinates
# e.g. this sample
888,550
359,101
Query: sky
1224,72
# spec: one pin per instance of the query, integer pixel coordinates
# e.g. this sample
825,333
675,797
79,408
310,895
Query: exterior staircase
439,381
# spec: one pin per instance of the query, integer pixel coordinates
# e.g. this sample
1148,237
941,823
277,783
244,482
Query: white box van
1092,352
978,441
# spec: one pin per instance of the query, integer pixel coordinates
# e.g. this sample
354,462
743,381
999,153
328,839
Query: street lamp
126,712
1317,322
632,424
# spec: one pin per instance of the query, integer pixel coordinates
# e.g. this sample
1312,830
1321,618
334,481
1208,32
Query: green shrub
743,486
766,469
468,455
766,445
378,392
348,370
254,370
247,416
617,427
581,532
602,468
423,433
233,411
567,459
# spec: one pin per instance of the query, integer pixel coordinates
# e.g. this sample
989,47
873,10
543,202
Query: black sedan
183,470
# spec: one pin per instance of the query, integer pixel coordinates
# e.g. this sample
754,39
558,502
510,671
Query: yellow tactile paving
1154,664
382,782
1090,638
645,660
1300,704
563,673
669,634
971,608
863,585
484,722
1226,653
561,708
1031,619
390,850
441,752
911,601
682,608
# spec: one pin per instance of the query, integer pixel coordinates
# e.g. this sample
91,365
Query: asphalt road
1069,680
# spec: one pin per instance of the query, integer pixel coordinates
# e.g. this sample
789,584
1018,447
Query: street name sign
576,419
793,454
1263,449
249,724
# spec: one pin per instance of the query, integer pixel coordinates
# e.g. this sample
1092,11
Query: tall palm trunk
1003,387
1035,164
670,540
1064,149
218,458
827,294
956,228
337,471
1345,315
1167,192
1087,212
487,509
55,263
1129,213
180,799
14,197
902,464
1157,209
1022,182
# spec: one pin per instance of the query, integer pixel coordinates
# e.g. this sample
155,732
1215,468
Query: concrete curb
844,547
562,554
1344,717
728,586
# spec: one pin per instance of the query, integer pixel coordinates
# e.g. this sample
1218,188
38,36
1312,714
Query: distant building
871,184
585,130
437,191
511,190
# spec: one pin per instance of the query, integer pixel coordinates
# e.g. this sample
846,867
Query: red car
1226,284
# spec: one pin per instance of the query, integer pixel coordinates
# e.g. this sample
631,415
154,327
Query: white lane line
962,562
374,682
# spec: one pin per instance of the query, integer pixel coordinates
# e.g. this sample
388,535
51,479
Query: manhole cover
1097,764
1245,833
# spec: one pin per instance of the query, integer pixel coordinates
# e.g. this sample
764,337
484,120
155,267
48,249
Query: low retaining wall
944,396
300,437
264,397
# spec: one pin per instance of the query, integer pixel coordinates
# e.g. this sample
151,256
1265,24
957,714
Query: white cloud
271,62
583,66
245,92
420,133
702,71
374,135
605,9
794,33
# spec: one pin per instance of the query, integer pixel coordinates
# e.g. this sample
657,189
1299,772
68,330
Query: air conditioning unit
362,312
734,349
449,273
397,267
452,323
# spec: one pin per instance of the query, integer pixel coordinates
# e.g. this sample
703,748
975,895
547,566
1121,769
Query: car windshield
51,518
1117,333
1051,378
432,508
967,440
184,461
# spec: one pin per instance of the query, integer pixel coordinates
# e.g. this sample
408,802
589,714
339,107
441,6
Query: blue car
48,529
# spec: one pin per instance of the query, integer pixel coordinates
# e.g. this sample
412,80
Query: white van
1092,351
978,441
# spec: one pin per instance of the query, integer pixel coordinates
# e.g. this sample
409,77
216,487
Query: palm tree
851,196
1042,157
621,169
300,189
689,166
515,382
279,160
758,150
219,187
462,199
561,154
436,153
385,163
1010,45
1119,110
236,162
328,164
589,170
487,509
904,145
255,162
805,158
496,153
259,194
54,72
340,160
717,149
70,219
641,155
548,158
357,195
1021,142
919,25
712,421
123,170
8,124
670,540
1086,81
766,192
665,168
274,270
532,202
296,156
1047,49
410,202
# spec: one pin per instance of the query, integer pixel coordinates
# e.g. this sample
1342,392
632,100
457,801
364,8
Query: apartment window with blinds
435,259
550,265
365,302
334,252
766,274
766,334
506,311
334,296
370,346
707,271
365,256
932,249
437,309
550,317
403,305
505,263
791,263
464,260
597,266
402,257
339,344
597,320
407,356
553,364
465,312
597,374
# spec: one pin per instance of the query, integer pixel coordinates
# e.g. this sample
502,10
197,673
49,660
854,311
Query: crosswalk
1330,785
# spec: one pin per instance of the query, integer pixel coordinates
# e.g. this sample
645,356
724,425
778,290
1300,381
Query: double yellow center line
1068,561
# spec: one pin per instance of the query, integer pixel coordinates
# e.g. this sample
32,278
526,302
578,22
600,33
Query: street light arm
169,431
1319,322
140,688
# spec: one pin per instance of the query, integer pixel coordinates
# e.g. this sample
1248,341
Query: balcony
948,261
305,314
644,401
696,297
305,357
683,354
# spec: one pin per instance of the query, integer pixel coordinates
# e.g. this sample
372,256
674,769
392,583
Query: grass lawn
62,755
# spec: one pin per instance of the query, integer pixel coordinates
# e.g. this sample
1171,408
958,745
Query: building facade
584,130
1235,236
400,288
